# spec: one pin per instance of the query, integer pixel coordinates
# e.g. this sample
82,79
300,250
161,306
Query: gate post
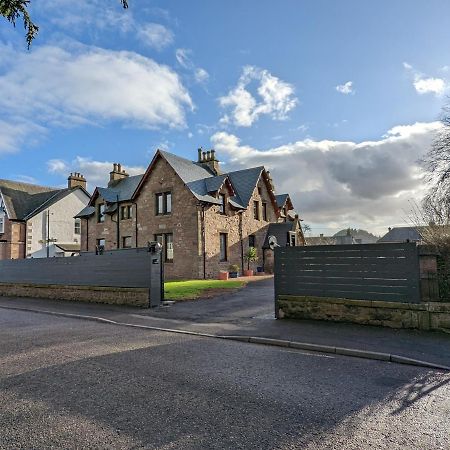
156,289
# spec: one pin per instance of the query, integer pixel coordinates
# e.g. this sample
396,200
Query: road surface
68,383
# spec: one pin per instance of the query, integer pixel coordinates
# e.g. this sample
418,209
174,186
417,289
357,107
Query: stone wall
109,295
424,316
216,223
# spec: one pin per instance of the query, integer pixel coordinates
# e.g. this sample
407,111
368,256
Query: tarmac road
67,383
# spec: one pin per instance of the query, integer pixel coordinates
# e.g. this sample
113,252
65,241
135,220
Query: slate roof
281,199
201,181
24,200
187,170
85,212
401,234
244,183
124,188
214,184
280,231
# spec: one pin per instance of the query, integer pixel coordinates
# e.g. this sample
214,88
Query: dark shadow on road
182,392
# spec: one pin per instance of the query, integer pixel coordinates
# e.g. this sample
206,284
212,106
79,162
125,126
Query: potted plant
223,275
250,256
233,270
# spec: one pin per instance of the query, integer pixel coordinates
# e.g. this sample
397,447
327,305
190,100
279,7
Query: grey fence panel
388,272
121,268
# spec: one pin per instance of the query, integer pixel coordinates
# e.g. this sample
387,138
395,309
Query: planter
248,273
223,275
233,274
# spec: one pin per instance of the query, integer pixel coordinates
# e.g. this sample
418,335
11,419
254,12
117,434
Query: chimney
116,174
76,179
208,159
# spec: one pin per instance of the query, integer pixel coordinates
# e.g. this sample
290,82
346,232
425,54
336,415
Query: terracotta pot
248,273
223,276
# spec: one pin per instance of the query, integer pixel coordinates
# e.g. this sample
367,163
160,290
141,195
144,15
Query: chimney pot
208,155
213,155
76,179
203,156
200,154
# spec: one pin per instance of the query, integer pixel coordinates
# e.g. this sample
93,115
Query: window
163,203
126,242
222,199
166,240
77,229
256,210
259,191
126,212
2,221
223,247
292,239
100,212
264,211
252,241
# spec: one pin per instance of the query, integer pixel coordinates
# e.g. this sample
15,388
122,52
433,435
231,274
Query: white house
38,222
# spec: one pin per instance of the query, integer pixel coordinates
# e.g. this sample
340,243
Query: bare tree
13,10
436,204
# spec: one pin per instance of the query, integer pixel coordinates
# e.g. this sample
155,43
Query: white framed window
77,229
2,221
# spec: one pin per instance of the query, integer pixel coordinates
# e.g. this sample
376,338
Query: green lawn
183,290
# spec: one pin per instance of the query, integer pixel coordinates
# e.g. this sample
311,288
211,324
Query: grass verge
191,289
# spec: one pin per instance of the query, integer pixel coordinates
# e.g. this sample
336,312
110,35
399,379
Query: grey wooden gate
388,272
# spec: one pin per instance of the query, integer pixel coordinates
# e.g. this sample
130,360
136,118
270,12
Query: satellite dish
273,242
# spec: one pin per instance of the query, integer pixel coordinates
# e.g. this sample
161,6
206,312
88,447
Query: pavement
250,312
70,383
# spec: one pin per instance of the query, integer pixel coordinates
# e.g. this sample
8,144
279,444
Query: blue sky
338,98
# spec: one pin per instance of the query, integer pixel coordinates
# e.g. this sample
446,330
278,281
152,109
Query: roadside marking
351,352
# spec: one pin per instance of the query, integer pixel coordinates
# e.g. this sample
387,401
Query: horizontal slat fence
120,268
387,272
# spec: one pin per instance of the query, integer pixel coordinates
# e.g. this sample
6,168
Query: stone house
205,219
37,221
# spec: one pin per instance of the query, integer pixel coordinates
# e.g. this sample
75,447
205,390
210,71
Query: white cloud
424,84
337,184
201,75
430,85
95,172
155,35
13,135
83,85
276,98
346,88
57,166
81,15
183,56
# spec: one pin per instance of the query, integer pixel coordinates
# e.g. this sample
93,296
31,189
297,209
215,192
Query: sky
338,99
